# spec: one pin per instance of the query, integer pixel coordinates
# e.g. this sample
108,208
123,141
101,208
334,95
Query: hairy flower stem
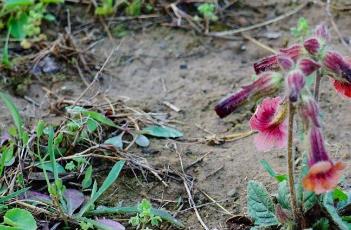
317,84
296,211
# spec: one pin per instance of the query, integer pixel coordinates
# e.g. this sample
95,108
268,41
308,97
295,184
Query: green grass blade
110,179
15,115
13,195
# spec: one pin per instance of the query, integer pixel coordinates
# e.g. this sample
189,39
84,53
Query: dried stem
317,84
296,211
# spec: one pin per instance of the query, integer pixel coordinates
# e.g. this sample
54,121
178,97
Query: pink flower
271,62
323,174
312,45
270,122
322,32
267,83
296,81
308,66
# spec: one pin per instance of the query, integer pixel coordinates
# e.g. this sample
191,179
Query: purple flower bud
232,102
309,111
312,45
308,66
296,81
285,62
318,151
270,63
294,51
337,64
268,83
322,32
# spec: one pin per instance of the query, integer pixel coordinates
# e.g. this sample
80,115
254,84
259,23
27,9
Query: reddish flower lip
342,88
323,176
270,122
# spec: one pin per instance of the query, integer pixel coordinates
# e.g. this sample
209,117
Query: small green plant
145,217
47,146
302,28
208,11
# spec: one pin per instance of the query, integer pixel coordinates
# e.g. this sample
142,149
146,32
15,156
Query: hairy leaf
260,205
328,204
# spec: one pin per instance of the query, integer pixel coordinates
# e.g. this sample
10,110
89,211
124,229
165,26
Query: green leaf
309,200
134,8
284,195
339,194
15,116
328,204
271,172
142,141
50,17
260,205
161,131
20,219
100,118
13,4
321,224
110,179
16,26
92,125
87,181
115,141
48,167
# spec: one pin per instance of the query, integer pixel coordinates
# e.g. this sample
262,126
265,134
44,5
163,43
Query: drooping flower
270,63
296,81
338,66
308,66
271,123
309,111
312,45
323,174
267,84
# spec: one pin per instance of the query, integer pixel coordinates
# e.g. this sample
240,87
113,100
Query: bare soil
193,72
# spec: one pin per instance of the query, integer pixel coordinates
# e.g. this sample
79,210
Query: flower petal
341,87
